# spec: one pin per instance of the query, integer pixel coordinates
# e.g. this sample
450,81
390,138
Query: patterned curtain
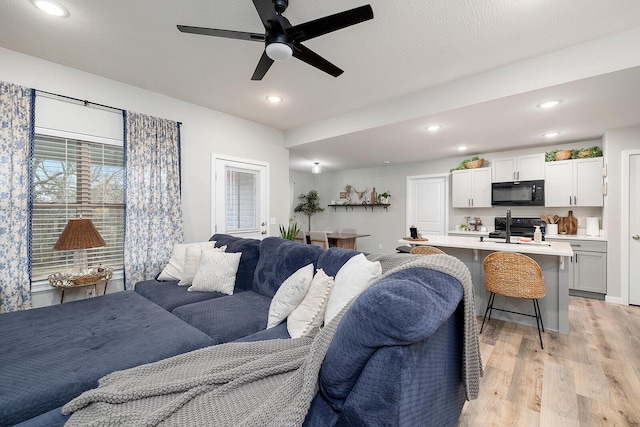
16,150
153,204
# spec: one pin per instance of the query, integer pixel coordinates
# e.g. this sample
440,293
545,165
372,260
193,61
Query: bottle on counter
537,235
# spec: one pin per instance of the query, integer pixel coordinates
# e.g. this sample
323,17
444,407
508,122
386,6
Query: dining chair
319,238
426,250
301,237
514,275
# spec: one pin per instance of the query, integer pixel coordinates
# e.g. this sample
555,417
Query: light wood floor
590,377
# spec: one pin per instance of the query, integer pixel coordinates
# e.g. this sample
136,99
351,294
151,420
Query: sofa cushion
332,260
289,295
169,295
229,317
309,314
279,259
250,249
277,332
401,309
216,272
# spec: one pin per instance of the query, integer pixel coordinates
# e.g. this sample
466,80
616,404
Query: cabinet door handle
636,237
575,200
576,258
518,175
514,175
569,200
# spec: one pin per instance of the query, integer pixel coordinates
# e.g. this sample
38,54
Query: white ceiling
415,63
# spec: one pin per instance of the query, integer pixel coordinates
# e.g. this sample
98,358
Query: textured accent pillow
192,260
216,271
175,266
289,295
352,279
310,313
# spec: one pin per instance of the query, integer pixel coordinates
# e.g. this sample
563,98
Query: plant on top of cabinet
576,153
472,163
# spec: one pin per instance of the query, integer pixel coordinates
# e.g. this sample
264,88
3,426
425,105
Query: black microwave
520,193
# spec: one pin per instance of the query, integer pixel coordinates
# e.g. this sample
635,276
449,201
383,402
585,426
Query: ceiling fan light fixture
51,7
279,51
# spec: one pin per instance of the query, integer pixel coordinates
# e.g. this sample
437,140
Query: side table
64,281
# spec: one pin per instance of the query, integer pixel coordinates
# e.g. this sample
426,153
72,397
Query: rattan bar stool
514,275
426,250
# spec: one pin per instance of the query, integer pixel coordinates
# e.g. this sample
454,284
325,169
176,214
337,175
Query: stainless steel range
521,227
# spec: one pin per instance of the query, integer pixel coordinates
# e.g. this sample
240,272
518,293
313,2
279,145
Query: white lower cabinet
588,265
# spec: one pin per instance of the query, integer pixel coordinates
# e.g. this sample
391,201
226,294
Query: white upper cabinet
521,168
471,188
570,183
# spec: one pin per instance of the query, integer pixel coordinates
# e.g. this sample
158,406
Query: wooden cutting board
569,225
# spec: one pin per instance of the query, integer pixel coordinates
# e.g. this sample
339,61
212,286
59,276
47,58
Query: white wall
614,142
203,131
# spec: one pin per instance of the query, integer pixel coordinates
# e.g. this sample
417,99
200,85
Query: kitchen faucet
508,231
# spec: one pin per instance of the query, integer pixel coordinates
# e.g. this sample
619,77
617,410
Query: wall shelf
366,206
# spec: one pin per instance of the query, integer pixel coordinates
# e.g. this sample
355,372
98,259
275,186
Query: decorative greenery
587,153
462,164
384,196
291,231
309,205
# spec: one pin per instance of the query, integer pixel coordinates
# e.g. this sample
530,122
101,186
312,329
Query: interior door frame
264,185
410,181
625,230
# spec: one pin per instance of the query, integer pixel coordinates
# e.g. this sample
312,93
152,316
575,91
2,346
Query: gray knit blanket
264,383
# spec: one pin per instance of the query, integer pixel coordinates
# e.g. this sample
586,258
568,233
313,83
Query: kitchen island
552,258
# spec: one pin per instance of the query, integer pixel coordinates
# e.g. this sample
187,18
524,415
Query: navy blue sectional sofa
396,358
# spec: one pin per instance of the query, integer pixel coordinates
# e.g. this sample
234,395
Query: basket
474,164
563,155
584,153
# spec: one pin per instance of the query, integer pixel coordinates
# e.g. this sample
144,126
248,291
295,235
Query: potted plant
309,205
291,231
384,198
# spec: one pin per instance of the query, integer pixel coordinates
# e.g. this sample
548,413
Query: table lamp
79,235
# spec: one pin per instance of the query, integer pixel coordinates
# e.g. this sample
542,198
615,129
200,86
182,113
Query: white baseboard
614,300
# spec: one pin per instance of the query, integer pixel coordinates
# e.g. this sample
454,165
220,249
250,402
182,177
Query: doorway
631,225
428,204
240,197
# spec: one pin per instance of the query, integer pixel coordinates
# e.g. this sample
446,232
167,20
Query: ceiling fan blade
222,33
263,66
330,23
310,57
266,11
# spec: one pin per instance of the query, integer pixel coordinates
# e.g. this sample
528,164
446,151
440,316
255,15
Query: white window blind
241,200
73,178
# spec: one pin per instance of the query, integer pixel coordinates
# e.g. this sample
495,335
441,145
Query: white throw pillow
310,313
192,260
216,271
289,295
174,268
356,275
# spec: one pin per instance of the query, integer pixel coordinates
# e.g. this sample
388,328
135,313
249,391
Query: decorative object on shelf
343,194
476,223
374,196
472,163
348,189
361,194
291,231
384,198
576,153
309,205
413,231
79,235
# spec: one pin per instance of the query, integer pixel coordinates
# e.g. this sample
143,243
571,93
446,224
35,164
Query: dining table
344,240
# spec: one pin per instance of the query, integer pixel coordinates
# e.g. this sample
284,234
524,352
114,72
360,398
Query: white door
427,204
634,229
240,198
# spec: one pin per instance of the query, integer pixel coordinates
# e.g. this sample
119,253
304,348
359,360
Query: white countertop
544,248
575,237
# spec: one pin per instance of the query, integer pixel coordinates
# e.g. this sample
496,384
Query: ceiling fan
283,40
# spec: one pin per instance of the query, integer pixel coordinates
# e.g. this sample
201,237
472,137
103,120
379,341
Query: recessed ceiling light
551,134
386,162
316,168
274,98
433,128
462,148
51,7
550,104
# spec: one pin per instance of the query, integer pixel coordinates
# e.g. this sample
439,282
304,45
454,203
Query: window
73,178
241,200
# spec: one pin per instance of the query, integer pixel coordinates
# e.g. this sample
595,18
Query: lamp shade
79,233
